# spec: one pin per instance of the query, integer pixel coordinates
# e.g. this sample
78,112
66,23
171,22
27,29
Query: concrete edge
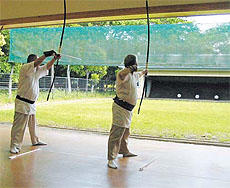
144,137
149,137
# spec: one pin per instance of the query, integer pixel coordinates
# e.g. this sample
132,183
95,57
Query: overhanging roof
26,13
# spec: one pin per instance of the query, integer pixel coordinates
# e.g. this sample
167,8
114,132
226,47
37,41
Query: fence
78,84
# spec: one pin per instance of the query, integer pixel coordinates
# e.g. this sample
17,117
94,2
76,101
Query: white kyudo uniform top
28,87
127,91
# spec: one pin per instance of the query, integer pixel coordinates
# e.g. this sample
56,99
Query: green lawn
56,95
164,118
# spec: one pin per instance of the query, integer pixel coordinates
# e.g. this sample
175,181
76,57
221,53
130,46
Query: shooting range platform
79,159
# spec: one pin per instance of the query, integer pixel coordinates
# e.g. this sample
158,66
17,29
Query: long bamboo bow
147,58
59,49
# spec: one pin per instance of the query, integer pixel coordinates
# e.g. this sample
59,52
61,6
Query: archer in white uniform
27,94
124,102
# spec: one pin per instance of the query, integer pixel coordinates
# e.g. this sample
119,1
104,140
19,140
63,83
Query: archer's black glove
49,53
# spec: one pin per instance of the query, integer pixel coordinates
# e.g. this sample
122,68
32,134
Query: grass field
163,118
56,95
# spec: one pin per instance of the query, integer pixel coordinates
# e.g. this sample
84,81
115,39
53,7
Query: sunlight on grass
56,95
163,118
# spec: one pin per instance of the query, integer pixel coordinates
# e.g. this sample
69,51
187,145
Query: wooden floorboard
78,159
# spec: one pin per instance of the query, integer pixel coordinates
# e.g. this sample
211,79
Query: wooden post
69,79
77,84
92,88
87,81
10,81
51,79
52,75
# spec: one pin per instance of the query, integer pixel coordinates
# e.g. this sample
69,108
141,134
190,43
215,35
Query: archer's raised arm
39,60
51,62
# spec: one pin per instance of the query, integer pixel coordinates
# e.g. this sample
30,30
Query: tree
88,71
85,71
6,67
93,72
2,43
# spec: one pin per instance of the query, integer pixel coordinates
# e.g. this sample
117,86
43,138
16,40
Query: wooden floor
78,159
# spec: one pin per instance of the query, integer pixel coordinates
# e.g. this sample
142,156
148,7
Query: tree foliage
93,72
5,66
2,43
109,73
